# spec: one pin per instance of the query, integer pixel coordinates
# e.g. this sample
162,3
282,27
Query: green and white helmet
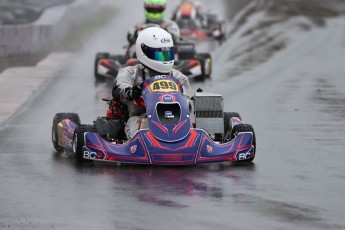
154,10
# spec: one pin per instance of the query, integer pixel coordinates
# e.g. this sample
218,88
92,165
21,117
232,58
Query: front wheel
228,124
78,141
74,117
99,56
244,128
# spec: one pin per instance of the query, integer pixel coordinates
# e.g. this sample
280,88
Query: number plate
164,86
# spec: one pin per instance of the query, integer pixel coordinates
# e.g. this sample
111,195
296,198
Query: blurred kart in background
197,24
187,60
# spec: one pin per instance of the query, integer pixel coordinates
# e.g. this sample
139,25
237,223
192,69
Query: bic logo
243,156
90,155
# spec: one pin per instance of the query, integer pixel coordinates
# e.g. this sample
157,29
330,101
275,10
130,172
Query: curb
21,84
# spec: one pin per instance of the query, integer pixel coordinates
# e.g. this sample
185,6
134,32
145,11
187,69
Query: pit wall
44,35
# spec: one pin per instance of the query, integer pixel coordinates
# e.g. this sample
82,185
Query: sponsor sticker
165,40
167,98
133,148
244,156
90,155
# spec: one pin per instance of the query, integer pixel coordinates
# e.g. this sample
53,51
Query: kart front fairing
144,148
169,139
167,109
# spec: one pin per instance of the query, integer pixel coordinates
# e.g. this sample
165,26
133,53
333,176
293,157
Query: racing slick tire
206,64
78,141
74,117
244,128
227,124
98,57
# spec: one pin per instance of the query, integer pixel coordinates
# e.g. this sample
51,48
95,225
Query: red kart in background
195,23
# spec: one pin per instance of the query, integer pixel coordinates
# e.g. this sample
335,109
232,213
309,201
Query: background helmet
154,10
155,49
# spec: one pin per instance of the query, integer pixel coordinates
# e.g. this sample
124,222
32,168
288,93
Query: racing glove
133,93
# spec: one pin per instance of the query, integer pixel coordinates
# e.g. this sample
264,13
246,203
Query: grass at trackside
79,34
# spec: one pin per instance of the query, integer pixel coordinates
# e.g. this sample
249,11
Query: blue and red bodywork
165,144
144,148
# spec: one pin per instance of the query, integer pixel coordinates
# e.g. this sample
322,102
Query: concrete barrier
42,36
19,85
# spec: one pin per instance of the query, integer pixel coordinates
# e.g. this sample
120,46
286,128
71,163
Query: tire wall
42,36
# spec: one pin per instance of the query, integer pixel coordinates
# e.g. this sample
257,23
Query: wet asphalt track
295,182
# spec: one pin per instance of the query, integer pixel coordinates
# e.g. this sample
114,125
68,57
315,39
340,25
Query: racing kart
192,64
194,23
173,136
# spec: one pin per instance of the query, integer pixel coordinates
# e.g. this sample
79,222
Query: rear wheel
78,141
206,64
244,128
98,57
74,117
227,123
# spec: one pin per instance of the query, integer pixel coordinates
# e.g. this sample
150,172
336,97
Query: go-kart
192,64
196,24
173,136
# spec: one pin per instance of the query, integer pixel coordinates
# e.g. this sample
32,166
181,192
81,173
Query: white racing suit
135,75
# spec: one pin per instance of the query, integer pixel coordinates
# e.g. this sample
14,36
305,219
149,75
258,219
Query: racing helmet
154,10
155,49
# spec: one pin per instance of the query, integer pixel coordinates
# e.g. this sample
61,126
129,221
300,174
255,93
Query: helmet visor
158,54
154,17
152,8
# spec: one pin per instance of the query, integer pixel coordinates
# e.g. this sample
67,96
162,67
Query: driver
155,52
154,14
194,9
